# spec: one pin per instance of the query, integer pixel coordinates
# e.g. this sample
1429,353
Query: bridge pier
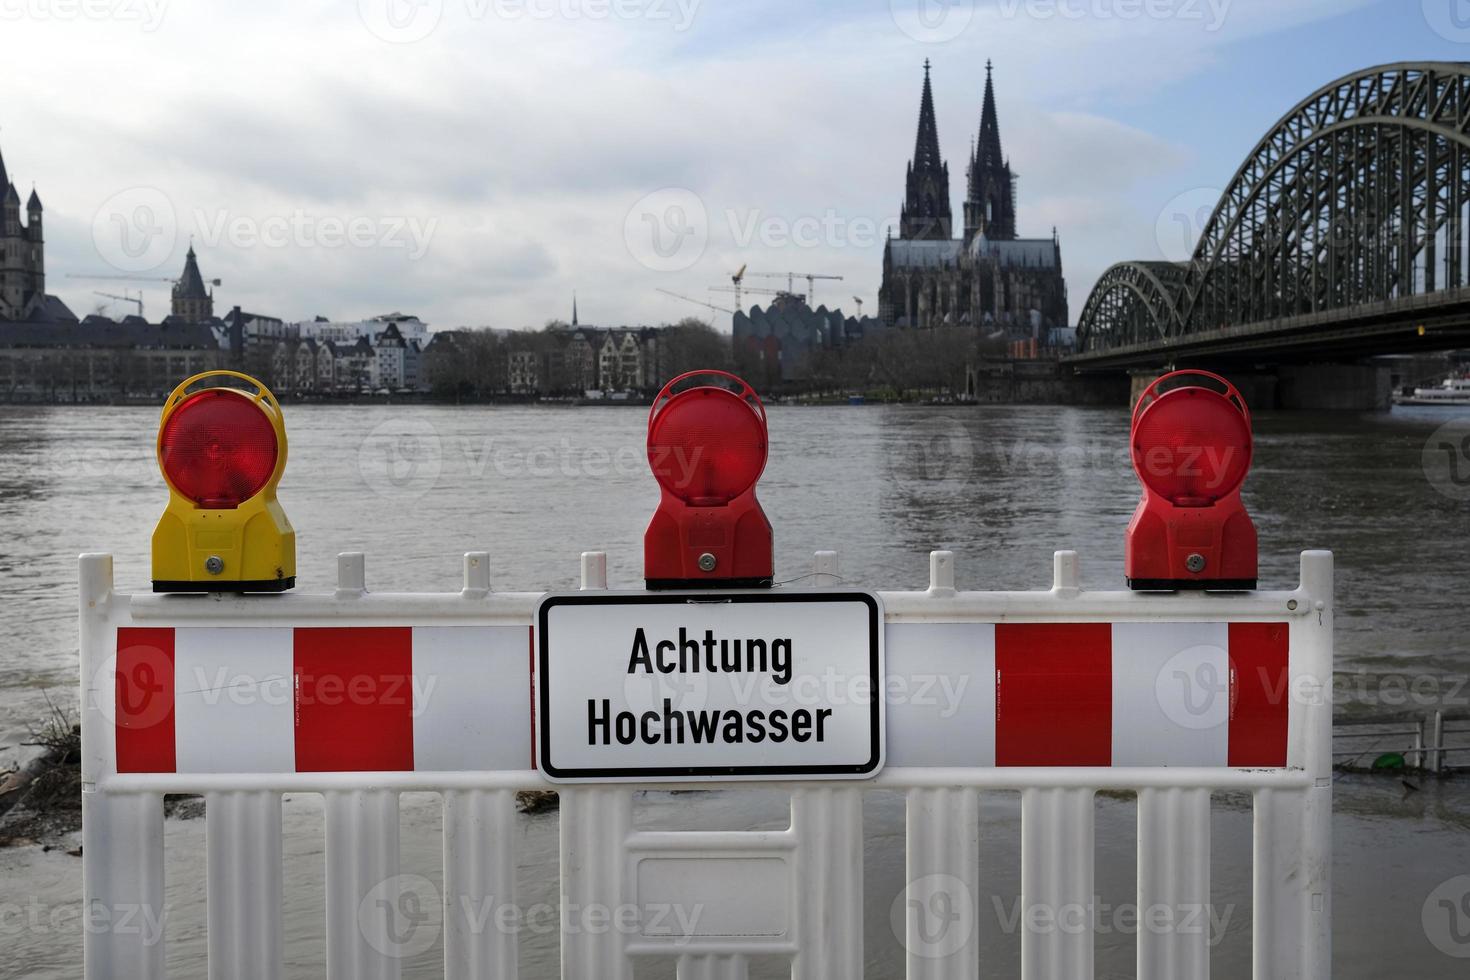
1335,387
1299,387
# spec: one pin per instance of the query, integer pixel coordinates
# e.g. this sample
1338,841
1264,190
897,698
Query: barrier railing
361,696
1435,743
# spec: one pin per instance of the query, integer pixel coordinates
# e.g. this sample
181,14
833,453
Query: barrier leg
365,935
1291,901
942,938
1057,884
243,831
479,879
829,880
1173,884
122,886
595,824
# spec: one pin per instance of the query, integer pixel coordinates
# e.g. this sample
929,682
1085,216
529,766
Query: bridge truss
1351,214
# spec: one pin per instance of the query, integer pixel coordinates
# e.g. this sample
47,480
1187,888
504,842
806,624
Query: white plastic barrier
361,696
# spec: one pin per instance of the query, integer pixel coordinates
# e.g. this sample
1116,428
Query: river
1002,486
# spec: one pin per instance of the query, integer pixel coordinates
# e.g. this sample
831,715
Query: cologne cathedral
988,278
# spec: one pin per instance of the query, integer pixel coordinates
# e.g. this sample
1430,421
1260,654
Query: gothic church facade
987,278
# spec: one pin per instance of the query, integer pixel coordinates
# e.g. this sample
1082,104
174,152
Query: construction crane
172,279
791,277
738,290
125,298
859,301
697,302
735,281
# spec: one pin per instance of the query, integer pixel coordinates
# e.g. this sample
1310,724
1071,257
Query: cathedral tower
990,200
926,211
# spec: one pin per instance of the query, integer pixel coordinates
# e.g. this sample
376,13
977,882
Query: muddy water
1004,487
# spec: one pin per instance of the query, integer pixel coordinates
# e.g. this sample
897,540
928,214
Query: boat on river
1454,391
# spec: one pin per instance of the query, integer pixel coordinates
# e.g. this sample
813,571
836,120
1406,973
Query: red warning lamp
1191,448
217,448
222,449
707,445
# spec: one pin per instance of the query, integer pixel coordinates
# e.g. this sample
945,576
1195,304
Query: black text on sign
743,686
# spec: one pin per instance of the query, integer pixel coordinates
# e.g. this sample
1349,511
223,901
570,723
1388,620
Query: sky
477,162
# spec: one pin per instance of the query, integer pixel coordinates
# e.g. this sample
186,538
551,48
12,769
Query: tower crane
125,298
735,281
791,277
739,290
172,279
859,301
697,302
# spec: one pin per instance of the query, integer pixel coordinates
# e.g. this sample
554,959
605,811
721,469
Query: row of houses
386,362
99,359
583,360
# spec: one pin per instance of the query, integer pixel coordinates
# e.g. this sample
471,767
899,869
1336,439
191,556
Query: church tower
191,302
926,213
990,201
22,253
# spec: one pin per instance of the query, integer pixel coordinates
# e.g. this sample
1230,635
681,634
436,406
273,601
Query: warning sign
668,686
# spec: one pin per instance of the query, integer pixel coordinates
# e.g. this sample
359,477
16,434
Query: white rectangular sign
717,685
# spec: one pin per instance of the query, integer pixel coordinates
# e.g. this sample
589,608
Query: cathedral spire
987,147
926,144
926,211
990,198
574,307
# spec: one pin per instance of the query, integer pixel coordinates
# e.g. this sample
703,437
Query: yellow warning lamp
222,450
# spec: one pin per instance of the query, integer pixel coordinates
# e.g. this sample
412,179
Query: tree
691,345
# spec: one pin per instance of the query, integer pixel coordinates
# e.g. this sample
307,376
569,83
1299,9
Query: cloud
523,132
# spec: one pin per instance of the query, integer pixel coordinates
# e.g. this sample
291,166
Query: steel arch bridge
1342,234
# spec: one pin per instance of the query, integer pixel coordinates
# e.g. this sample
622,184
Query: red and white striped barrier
207,699
1057,694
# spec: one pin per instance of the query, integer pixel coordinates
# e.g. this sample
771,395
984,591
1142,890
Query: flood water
1004,487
